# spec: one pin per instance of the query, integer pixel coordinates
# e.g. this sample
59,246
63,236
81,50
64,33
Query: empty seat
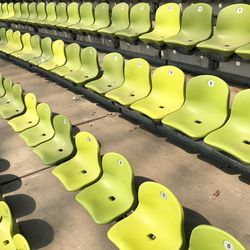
244,51
113,74
136,85
7,11
29,118
196,26
43,131
157,222
207,237
166,96
26,46
232,31
84,168
32,13
89,67
24,13
140,22
60,147
205,95
113,194
6,93
14,42
6,224
167,24
119,19
41,13
3,38
61,14
17,11
51,15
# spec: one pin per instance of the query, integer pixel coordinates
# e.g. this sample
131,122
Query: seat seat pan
130,33
67,24
94,27
21,53
23,122
111,29
39,60
11,110
64,70
9,50
28,56
244,52
80,76
51,64
79,26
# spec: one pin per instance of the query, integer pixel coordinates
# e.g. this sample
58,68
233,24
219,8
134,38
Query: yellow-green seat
157,222
244,51
60,147
206,95
73,62
232,31
113,74
167,24
14,42
234,136
61,14
9,12
51,15
196,26
29,118
113,194
89,67
207,237
5,13
6,224
3,38
32,9
43,131
17,11
6,91
2,89
24,13
41,13
58,58
166,96
136,85
20,242
84,168
26,48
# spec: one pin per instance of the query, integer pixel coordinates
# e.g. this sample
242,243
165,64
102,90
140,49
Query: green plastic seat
86,17
60,147
205,95
6,91
24,13
244,51
3,38
196,26
102,19
113,74
26,46
14,42
5,12
166,96
73,15
17,11
29,118
47,53
20,242
2,89
6,224
58,58
73,62
136,85
207,237
61,14
84,168
157,222
51,15
140,22
41,13
32,13
43,131
232,31
119,19
167,24
89,67
1,12
113,194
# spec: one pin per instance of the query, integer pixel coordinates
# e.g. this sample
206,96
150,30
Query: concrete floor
48,215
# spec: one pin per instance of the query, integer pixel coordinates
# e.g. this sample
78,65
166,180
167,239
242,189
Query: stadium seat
205,95
61,13
14,42
20,242
5,13
24,13
232,31
86,17
140,22
17,11
60,147
89,67
26,46
244,52
32,13
166,96
51,15
207,237
167,24
113,194
43,131
84,168
119,19
234,136
157,222
113,74
136,85
29,118
102,19
58,58
3,38
6,93
196,26
6,224
2,89
41,13
73,62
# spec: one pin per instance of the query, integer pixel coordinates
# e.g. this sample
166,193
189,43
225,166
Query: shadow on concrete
9,183
4,165
245,179
75,130
20,204
37,232
138,180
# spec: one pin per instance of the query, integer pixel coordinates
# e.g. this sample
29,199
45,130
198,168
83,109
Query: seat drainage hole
190,40
6,242
86,76
43,134
7,102
151,236
247,142
60,149
112,198
161,107
17,110
84,171
227,45
132,94
109,85
30,122
198,122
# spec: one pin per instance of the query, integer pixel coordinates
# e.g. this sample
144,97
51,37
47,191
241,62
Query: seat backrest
3,39
20,242
24,10
1,12
89,59
6,217
35,42
63,128
26,42
11,9
30,103
17,9
4,9
51,12
9,36
61,12
44,113
17,92
17,40
58,51
207,237
120,15
41,11
73,12
73,55
32,11
7,86
87,14
46,46
102,14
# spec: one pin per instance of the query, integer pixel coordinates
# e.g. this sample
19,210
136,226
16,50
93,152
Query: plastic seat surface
41,13
196,26
51,15
136,84
43,131
32,8
167,23
6,91
157,222
2,89
205,95
232,31
89,67
14,42
166,96
26,49
17,11
29,118
113,194
84,168
207,237
113,74
6,224
24,13
20,242
3,38
60,147
244,51
61,14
